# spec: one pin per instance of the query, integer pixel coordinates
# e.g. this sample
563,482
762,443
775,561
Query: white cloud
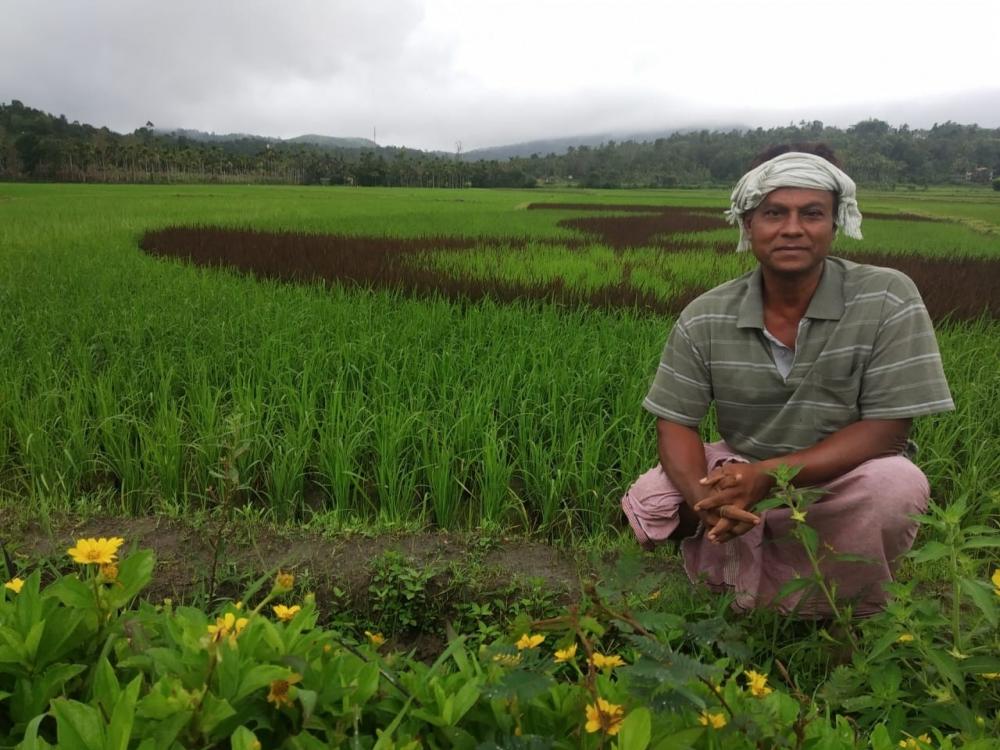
430,72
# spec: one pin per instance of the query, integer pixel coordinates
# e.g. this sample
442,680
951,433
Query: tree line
37,146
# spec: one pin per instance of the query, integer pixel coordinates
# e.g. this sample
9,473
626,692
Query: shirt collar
827,302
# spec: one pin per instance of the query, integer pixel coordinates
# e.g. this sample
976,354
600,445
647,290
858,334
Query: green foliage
36,145
399,596
83,666
117,398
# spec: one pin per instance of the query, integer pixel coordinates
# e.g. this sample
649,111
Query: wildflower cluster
286,614
245,679
716,720
757,684
229,626
527,641
923,742
606,661
101,551
565,654
603,716
281,692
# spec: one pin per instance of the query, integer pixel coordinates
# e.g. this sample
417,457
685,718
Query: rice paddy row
131,383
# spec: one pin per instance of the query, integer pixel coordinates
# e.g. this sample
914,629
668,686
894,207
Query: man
813,362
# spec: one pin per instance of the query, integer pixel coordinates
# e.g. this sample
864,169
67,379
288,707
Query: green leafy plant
399,596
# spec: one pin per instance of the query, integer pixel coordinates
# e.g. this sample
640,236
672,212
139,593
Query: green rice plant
115,378
161,444
205,423
444,493
394,472
499,504
285,479
345,437
119,458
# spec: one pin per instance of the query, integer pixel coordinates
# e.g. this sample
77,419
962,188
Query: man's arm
744,485
844,450
682,456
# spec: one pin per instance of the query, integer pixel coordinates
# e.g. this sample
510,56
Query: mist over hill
327,141
561,145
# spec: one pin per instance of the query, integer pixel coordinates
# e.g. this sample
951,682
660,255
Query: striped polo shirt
865,350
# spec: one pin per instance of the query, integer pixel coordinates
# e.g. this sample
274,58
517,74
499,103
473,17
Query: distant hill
559,146
39,146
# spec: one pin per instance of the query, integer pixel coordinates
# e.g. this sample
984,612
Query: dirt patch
185,554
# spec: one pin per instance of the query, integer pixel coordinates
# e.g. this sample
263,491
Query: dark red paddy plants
959,289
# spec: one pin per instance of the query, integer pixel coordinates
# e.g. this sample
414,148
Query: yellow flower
529,641
14,584
285,614
904,638
227,625
757,683
708,719
507,660
996,581
377,639
799,516
566,654
602,661
604,717
109,571
280,693
915,744
941,694
984,675
284,581
239,605
95,551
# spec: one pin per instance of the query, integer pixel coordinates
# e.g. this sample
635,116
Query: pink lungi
865,512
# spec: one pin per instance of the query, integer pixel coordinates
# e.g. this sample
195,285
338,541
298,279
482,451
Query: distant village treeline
37,146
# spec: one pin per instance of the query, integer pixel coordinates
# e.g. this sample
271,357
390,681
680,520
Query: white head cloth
800,170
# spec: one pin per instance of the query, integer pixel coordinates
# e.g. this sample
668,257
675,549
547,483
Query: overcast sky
430,73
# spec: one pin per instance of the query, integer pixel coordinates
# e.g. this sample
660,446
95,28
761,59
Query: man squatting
813,362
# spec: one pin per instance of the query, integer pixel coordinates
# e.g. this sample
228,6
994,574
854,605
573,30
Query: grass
133,385
125,379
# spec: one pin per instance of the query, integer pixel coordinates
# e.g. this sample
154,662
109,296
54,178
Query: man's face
791,230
